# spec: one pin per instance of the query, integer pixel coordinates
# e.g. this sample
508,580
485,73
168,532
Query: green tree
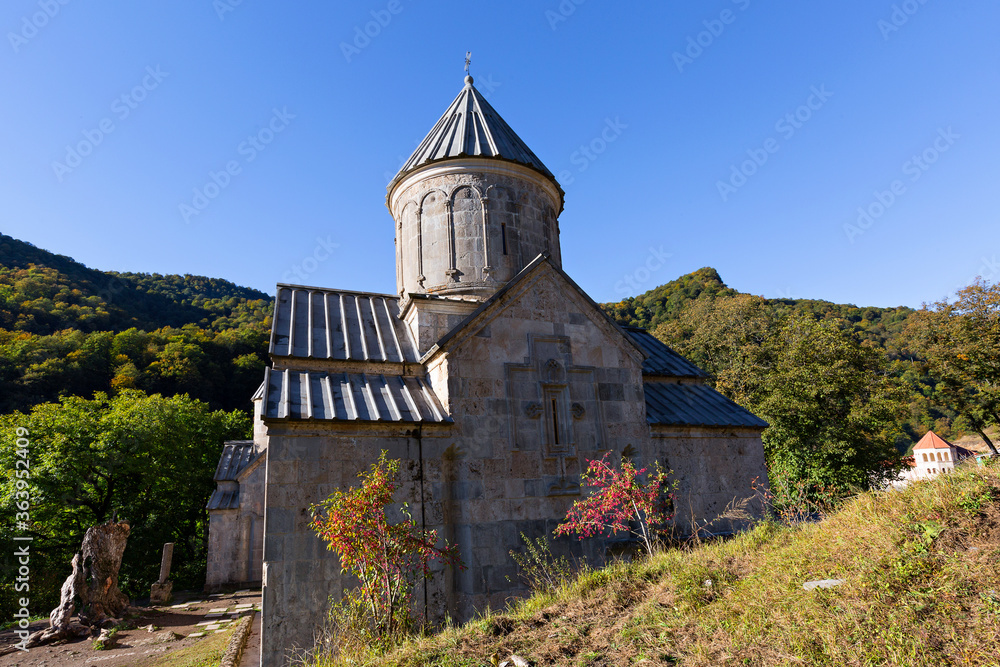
147,459
832,406
958,345
829,397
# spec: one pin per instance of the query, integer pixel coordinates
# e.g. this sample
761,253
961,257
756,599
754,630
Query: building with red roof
933,455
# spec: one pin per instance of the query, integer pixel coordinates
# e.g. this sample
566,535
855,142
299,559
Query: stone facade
536,382
713,467
491,376
236,537
236,513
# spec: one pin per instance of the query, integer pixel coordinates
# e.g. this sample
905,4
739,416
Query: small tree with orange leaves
387,558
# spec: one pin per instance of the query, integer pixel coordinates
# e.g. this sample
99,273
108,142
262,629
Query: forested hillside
66,329
94,366
738,338
668,302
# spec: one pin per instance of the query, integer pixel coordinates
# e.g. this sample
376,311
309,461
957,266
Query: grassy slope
206,652
922,588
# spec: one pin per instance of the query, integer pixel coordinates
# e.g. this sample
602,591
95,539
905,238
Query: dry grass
922,588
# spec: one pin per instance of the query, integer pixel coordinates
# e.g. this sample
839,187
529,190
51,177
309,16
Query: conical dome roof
471,128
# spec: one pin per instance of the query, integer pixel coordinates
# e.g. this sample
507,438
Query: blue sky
728,133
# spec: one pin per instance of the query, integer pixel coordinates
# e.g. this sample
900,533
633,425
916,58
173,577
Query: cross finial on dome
468,61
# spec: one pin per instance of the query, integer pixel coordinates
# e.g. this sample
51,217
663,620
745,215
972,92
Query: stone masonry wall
236,536
714,467
440,232
305,464
535,391
225,549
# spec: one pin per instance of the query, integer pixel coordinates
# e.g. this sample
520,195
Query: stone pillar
160,593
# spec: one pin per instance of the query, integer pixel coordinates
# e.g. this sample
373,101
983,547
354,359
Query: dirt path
192,618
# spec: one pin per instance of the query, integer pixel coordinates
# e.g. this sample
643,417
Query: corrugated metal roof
660,359
471,127
303,395
224,500
694,405
327,324
236,455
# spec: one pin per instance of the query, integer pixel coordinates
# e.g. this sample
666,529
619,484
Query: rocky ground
149,636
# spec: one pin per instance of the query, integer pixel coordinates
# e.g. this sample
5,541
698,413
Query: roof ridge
541,258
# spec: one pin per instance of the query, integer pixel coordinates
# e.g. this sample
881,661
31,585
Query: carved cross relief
554,410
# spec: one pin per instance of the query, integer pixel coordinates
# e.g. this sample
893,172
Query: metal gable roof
311,322
303,395
224,500
674,404
472,128
660,359
236,455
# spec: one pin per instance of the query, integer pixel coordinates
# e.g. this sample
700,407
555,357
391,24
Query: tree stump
102,551
94,581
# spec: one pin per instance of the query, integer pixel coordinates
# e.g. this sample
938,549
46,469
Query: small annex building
236,510
236,517
933,455
490,373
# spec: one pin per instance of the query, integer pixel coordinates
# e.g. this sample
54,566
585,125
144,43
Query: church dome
470,127
473,205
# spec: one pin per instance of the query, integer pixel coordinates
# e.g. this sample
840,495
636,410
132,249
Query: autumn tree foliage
386,557
624,500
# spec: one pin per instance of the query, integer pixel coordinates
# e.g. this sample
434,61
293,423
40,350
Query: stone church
489,373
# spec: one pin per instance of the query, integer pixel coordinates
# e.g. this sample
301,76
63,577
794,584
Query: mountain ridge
43,292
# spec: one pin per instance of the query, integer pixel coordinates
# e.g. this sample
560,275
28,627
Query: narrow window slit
555,422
